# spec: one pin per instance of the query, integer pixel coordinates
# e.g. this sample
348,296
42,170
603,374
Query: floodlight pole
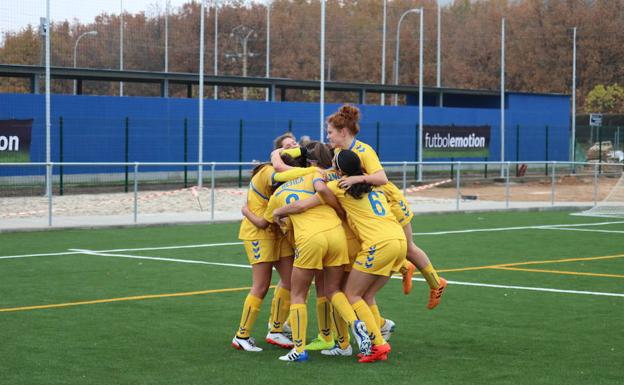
573,146
121,47
268,47
47,111
398,45
216,47
420,93
502,96
93,33
200,134
383,50
439,57
322,88
167,5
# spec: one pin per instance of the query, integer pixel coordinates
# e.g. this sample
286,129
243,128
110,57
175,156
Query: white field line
459,283
101,254
540,227
588,230
118,250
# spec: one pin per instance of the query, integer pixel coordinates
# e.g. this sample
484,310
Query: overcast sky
16,14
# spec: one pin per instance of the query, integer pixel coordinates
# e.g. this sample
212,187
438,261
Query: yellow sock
280,309
430,275
364,313
378,318
251,308
323,313
341,304
342,329
299,324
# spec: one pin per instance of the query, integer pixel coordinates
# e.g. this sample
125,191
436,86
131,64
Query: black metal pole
485,168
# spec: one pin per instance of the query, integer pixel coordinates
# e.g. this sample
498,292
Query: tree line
538,45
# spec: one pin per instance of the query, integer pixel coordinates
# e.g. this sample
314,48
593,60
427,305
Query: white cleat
246,344
387,329
336,351
295,356
361,335
279,339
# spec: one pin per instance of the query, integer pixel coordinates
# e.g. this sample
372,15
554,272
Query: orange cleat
408,273
436,294
378,353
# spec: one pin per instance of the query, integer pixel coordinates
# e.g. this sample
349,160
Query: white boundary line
97,253
540,227
118,250
90,252
459,283
588,230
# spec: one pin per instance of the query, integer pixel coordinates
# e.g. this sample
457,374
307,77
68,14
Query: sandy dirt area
191,200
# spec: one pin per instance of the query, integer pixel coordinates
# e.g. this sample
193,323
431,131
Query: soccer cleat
287,330
378,353
387,329
361,335
295,356
407,274
279,339
246,344
320,344
436,294
337,351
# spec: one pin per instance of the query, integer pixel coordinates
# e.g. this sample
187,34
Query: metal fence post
61,189
552,194
185,152
404,178
599,128
49,191
595,184
506,185
517,149
212,190
126,157
546,149
136,190
457,188
452,173
240,154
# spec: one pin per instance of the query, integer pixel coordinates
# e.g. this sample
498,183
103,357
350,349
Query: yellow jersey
332,175
371,164
257,200
370,216
368,156
309,222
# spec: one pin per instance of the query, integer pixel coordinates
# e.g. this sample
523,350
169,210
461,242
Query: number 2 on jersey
291,198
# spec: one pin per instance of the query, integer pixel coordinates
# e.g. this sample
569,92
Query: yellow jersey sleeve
272,205
293,173
368,157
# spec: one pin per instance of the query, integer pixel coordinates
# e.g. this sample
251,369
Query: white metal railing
457,167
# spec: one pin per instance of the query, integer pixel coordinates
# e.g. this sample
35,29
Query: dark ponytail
349,164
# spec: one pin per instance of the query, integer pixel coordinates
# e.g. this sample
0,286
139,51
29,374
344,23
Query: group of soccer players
327,213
